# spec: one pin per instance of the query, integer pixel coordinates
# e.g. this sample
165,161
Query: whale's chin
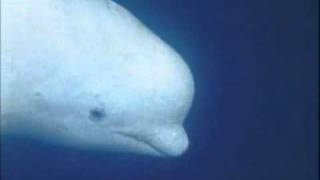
160,140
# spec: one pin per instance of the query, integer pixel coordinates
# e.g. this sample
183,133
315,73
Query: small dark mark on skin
97,114
37,94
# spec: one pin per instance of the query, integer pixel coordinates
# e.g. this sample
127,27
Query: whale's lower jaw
169,141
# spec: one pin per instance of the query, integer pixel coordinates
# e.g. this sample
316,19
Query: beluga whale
87,74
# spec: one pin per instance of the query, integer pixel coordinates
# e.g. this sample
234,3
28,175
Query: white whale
87,74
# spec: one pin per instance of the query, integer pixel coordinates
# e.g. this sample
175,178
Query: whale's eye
97,114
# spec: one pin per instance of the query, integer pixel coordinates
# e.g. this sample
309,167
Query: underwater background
255,112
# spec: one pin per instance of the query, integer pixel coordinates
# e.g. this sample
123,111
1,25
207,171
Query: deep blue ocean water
255,112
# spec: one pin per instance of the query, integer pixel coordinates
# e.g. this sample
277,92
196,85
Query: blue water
255,111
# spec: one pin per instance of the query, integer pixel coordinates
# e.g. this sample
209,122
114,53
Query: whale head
90,75
131,107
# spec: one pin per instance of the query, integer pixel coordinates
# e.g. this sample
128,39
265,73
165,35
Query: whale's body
87,74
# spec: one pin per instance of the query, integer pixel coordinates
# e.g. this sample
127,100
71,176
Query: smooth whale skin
87,74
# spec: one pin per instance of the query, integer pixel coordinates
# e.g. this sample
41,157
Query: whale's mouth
165,141
144,143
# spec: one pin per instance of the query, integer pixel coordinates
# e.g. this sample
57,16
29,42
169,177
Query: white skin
87,74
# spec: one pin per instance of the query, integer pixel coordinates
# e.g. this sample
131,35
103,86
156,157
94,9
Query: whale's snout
169,141
164,141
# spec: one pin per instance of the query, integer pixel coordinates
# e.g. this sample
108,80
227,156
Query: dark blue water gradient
254,117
